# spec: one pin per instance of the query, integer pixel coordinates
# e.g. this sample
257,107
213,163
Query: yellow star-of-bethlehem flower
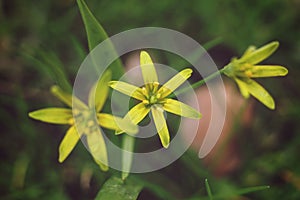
155,98
84,117
245,68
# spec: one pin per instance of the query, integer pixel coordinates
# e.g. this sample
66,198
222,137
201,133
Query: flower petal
249,50
260,93
127,89
97,148
68,143
116,123
268,71
243,88
67,98
147,67
137,113
175,82
53,115
260,54
179,108
161,125
99,92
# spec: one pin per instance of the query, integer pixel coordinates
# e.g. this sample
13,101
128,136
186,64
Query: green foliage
128,147
49,63
56,45
208,190
115,188
96,34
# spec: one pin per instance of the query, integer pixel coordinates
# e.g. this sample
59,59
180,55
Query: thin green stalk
208,190
201,82
127,155
212,76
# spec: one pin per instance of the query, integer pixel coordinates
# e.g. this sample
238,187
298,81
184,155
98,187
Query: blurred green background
38,38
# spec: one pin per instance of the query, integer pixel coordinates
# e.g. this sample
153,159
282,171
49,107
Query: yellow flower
84,117
245,68
154,98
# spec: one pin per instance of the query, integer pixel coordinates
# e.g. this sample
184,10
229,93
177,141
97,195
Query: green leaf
96,34
79,50
242,192
252,189
115,188
233,193
128,146
49,63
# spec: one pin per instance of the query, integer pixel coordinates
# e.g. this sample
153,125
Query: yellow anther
248,73
145,101
156,84
155,87
71,121
145,92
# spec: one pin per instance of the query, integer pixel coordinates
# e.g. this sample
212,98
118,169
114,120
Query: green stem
201,82
127,155
208,190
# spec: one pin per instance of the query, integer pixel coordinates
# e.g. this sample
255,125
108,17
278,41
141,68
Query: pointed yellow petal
260,93
127,89
161,125
53,115
268,71
116,123
260,54
68,143
97,148
148,69
175,82
137,113
243,88
179,108
99,92
67,98
249,50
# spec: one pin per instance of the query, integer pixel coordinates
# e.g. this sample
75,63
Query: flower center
246,70
85,120
150,91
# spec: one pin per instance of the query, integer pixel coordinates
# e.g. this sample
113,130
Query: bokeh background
40,39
